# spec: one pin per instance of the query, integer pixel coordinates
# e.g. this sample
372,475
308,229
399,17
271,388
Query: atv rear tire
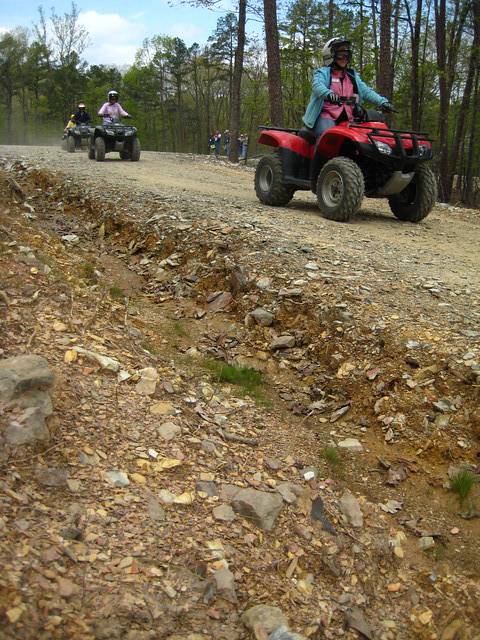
71,144
124,155
91,153
99,149
135,152
269,185
340,189
416,201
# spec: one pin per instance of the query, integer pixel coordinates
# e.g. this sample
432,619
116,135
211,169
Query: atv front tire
269,185
100,149
340,189
135,152
91,153
124,155
71,144
416,201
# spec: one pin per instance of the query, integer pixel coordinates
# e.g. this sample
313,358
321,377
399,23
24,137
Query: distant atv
346,163
114,137
77,137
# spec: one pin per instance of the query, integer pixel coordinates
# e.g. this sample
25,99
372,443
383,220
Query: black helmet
332,46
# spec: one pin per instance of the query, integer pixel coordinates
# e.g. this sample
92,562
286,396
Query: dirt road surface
368,352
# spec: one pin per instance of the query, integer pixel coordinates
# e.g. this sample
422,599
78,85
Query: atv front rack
398,135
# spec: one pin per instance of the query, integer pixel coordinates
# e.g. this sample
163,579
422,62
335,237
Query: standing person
333,81
226,142
112,110
211,144
244,146
218,141
240,145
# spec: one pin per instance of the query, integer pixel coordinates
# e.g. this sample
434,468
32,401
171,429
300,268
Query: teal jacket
321,89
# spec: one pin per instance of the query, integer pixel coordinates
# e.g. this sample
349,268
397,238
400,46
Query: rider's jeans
321,125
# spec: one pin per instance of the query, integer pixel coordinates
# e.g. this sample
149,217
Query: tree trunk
361,38
440,39
473,64
375,41
237,83
468,192
273,63
384,83
415,45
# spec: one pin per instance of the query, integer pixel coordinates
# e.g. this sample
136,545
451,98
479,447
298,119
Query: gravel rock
262,619
224,513
52,477
260,507
351,444
169,430
262,317
289,491
350,508
117,478
225,583
282,342
23,373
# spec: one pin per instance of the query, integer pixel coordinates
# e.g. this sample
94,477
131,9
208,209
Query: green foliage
462,484
332,457
247,379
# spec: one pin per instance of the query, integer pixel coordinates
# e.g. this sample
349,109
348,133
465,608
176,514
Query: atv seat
307,134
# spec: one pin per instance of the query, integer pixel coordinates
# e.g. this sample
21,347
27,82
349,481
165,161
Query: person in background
71,123
211,144
333,81
112,110
81,115
226,141
218,142
244,146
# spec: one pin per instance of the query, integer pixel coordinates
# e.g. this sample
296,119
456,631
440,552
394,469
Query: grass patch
332,458
248,380
179,329
117,293
462,484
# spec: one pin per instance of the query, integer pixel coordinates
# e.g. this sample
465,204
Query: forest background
424,55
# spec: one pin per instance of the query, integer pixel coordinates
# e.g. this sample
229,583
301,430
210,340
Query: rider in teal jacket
336,55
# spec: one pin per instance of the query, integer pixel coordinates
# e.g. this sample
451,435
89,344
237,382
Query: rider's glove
386,107
333,98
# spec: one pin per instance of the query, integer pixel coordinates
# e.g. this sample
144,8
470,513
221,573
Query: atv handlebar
343,100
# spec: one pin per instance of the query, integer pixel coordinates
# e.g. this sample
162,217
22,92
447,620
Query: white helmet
112,94
328,51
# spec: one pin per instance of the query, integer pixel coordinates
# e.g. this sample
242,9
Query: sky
118,29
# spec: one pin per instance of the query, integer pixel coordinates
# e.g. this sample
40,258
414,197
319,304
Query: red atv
349,161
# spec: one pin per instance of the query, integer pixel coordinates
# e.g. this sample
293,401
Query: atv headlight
110,132
128,133
423,149
383,147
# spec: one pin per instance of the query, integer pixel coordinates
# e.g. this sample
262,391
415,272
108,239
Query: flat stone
282,342
28,429
263,283
260,507
162,409
426,542
23,373
52,477
208,487
225,583
117,478
169,430
289,491
148,381
220,302
263,619
351,444
228,492
224,513
262,317
350,508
